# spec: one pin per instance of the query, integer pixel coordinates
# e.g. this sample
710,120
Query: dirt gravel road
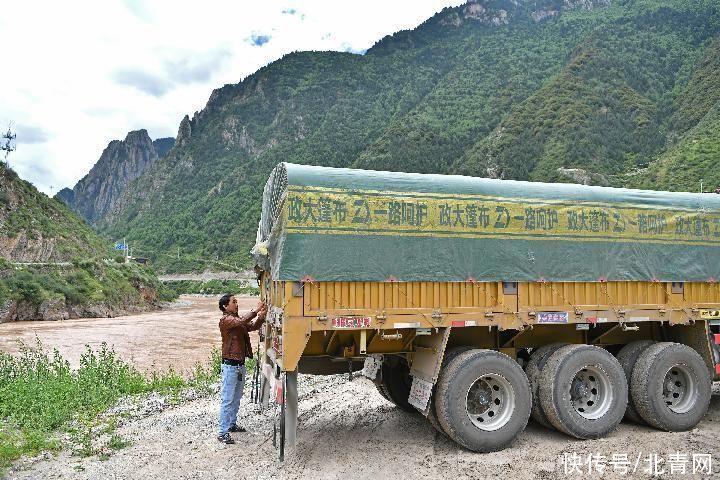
348,431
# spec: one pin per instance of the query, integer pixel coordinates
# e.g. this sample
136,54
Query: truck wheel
483,400
583,391
450,354
628,356
397,382
381,390
538,359
671,387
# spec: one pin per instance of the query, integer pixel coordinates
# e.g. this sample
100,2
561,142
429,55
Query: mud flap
428,356
372,366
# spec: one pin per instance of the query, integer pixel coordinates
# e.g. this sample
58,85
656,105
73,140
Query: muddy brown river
177,337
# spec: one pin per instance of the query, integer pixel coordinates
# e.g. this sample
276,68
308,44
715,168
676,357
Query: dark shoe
226,438
237,428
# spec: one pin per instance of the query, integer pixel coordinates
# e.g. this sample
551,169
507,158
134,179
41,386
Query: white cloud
80,74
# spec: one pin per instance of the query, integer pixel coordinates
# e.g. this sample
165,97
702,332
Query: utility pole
178,254
8,144
701,185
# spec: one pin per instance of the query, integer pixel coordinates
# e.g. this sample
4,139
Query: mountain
695,153
37,229
587,91
54,266
120,163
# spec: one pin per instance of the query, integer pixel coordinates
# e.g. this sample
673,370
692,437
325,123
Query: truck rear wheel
628,356
671,387
381,390
396,381
538,359
450,354
583,391
483,400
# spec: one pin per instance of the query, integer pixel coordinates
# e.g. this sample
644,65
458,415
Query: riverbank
96,288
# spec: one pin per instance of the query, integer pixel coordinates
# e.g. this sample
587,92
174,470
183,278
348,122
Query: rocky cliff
120,163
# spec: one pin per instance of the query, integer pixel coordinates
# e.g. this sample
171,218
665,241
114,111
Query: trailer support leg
291,409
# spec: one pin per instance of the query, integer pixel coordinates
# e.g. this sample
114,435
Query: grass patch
118,443
41,397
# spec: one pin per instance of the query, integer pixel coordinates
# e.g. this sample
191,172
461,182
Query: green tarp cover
337,224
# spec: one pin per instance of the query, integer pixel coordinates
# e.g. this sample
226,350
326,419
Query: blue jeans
233,381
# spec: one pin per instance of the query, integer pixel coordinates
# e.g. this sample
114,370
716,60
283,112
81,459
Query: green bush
25,286
4,292
87,281
40,393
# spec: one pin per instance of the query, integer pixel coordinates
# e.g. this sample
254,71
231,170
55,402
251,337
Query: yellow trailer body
483,302
327,319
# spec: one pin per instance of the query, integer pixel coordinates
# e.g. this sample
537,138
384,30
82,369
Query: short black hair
224,300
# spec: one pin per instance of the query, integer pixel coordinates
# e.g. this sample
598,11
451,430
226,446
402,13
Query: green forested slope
693,150
35,228
52,264
522,90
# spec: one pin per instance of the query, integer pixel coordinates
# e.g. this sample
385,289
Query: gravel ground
347,431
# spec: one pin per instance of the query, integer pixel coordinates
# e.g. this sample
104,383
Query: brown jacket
235,339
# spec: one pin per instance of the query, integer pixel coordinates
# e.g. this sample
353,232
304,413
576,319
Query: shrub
40,393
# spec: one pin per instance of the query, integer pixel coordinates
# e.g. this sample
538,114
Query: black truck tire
483,400
538,359
382,390
583,391
450,354
671,387
628,356
396,381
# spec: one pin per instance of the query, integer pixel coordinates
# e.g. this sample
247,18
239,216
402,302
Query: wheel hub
579,389
490,402
591,392
679,389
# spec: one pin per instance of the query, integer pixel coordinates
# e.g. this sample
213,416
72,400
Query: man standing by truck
236,347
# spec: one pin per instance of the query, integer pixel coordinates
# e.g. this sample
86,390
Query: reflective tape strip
717,369
717,338
278,392
464,323
407,325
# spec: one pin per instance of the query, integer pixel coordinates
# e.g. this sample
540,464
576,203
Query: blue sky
84,73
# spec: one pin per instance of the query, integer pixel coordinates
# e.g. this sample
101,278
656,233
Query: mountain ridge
121,162
581,94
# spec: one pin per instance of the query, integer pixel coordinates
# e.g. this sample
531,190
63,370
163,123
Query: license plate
552,317
711,314
351,322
